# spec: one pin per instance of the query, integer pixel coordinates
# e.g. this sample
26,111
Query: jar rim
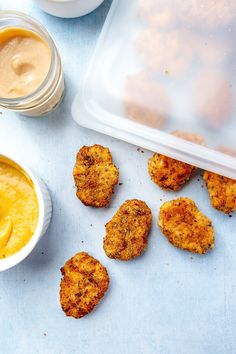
42,30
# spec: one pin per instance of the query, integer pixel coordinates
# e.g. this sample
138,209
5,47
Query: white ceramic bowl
45,213
68,8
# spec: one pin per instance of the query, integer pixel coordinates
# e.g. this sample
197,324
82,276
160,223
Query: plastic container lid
163,78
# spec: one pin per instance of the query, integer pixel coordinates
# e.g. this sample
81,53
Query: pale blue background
165,302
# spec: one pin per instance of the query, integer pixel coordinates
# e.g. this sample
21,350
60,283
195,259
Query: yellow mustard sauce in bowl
19,209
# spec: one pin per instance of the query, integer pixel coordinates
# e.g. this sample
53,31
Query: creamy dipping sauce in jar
31,73
25,60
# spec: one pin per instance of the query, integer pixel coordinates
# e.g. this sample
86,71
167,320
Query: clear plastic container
164,67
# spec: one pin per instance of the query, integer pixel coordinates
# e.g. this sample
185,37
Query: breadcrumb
95,175
127,232
84,283
222,192
168,173
185,226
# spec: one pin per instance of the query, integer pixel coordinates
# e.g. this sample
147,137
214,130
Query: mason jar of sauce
31,75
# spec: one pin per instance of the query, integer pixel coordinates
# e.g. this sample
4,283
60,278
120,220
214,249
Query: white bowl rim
61,1
64,1
11,261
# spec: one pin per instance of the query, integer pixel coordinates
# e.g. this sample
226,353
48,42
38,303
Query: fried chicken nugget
168,173
95,175
185,226
127,232
84,283
222,191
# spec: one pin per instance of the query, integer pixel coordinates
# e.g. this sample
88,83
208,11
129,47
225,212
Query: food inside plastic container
145,101
162,66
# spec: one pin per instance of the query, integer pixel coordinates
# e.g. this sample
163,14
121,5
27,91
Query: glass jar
50,93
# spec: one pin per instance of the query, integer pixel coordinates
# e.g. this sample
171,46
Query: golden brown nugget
222,192
168,173
145,101
84,283
95,175
185,226
127,232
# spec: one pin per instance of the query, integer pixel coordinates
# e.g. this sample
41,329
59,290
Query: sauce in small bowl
25,211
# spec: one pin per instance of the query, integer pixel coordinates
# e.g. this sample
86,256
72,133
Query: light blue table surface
167,301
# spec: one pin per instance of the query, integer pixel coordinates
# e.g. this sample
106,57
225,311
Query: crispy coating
222,191
185,226
168,173
127,232
95,175
84,283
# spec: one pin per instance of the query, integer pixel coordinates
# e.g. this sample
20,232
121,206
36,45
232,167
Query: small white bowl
45,213
68,8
